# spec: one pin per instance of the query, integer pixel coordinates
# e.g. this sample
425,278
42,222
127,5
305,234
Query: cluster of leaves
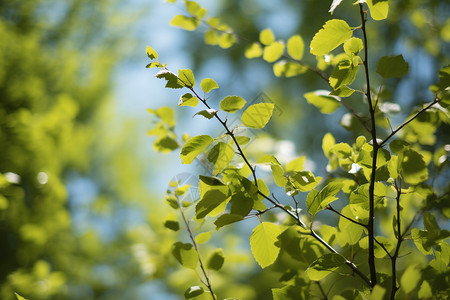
379,179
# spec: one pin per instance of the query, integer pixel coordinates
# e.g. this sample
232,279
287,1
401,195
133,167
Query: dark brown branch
373,131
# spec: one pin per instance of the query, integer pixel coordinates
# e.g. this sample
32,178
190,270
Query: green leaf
165,144
304,181
379,9
377,293
186,23
414,168
343,74
411,278
253,51
203,237
242,140
207,113
151,53
353,46
193,292
187,77
263,243
193,147
232,104
195,9
277,172
20,297
288,292
392,66
266,37
215,260
324,265
296,165
171,78
188,100
295,47
227,219
328,142
333,33
185,254
321,99
210,200
273,52
425,290
343,91
288,69
257,115
172,224
220,155
317,201
208,85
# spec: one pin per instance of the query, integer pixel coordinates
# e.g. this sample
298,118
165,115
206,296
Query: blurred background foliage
81,193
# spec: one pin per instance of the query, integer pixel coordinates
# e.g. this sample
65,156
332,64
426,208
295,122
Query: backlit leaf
318,201
263,243
220,155
187,77
321,99
379,9
411,278
207,113
328,141
193,147
324,265
273,52
203,237
253,51
186,23
210,200
208,84
343,74
353,46
288,69
188,100
195,9
266,37
333,33
295,47
232,104
257,115
151,53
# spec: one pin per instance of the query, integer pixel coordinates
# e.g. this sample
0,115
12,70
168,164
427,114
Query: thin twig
191,235
436,100
329,207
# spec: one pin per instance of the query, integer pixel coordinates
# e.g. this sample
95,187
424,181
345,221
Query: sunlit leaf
324,265
353,46
210,200
296,47
273,52
188,100
379,9
208,85
195,9
327,143
220,155
266,37
411,278
344,73
321,99
333,33
232,104
193,147
263,243
187,77
151,53
257,115
203,237
186,23
253,51
288,69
